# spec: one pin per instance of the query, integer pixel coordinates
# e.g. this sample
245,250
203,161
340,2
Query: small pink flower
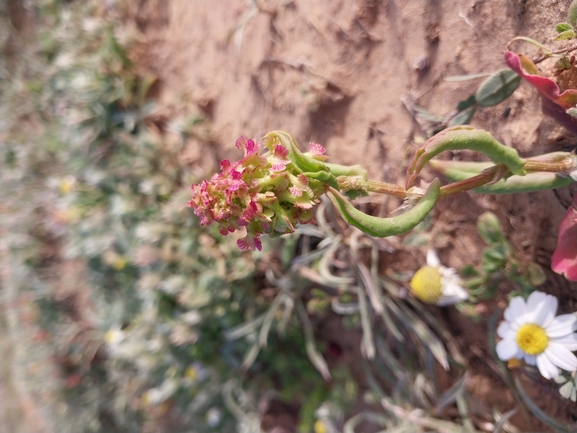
317,151
564,260
279,158
300,185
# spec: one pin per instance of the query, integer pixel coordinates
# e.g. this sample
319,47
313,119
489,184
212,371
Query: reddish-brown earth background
336,73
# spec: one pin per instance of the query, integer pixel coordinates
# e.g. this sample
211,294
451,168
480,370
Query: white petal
505,331
568,341
547,369
507,349
535,298
561,325
433,258
561,357
540,308
448,272
516,309
530,359
453,288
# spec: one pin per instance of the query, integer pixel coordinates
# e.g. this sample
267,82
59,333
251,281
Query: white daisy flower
436,284
532,333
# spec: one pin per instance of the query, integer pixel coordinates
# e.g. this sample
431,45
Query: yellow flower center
191,373
320,427
426,284
532,339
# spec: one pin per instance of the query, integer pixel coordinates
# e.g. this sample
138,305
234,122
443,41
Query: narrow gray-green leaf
502,421
314,356
244,329
368,344
538,412
453,78
269,318
427,337
344,309
464,117
250,356
324,266
450,396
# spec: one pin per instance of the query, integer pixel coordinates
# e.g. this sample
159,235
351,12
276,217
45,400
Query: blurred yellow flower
437,284
191,372
66,184
320,427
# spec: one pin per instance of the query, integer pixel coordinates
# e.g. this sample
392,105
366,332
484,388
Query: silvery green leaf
497,88
539,413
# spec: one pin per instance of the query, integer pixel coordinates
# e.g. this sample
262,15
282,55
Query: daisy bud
437,284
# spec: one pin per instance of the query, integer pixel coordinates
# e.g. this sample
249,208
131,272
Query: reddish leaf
554,103
546,86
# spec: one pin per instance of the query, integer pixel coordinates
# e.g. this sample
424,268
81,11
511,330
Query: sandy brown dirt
337,73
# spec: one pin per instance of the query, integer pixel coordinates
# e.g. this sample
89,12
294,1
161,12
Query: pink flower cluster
261,193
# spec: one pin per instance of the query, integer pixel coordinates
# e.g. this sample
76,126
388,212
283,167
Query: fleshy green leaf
464,117
497,88
382,227
469,102
567,34
490,228
456,171
562,27
536,275
464,137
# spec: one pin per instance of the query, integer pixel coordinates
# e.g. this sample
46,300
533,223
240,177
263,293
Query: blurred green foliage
500,263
